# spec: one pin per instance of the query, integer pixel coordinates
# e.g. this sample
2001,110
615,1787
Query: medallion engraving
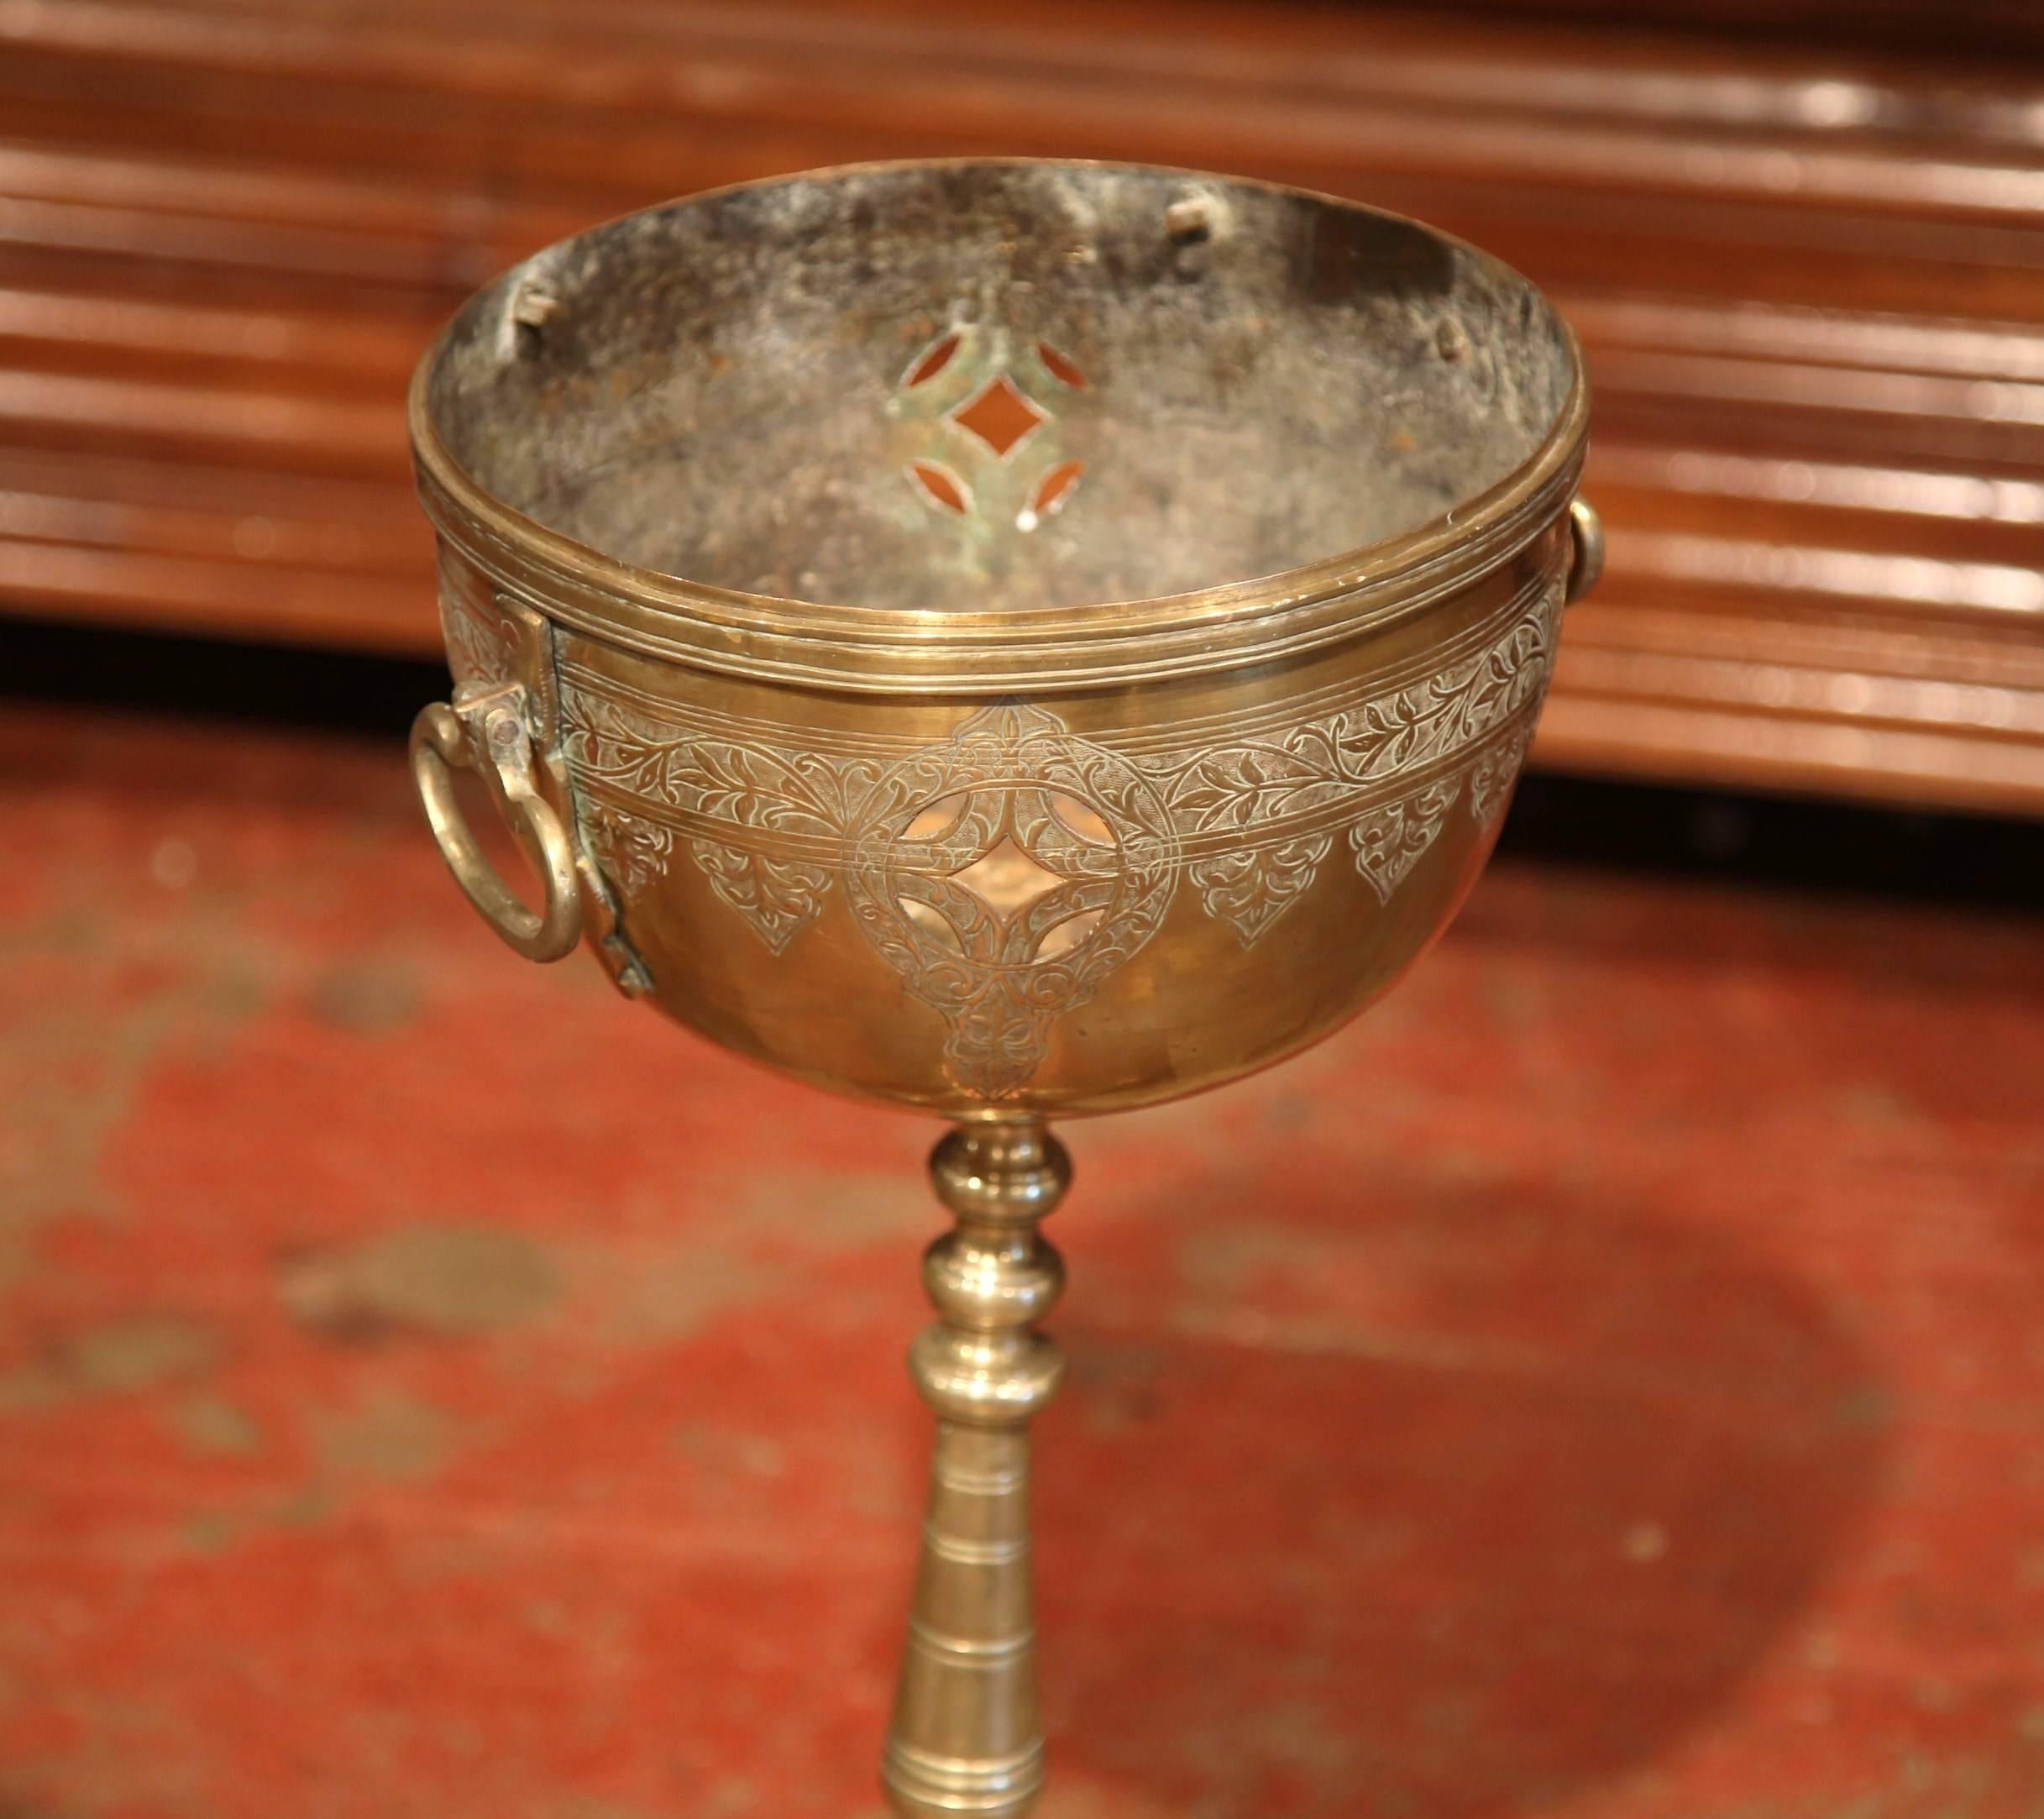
1003,875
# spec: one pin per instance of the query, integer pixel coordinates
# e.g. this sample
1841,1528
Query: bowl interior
995,385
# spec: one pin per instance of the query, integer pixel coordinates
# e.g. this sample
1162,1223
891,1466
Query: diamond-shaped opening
998,415
1006,880
940,486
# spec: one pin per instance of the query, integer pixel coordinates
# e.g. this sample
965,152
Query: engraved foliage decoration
754,788
1249,890
1004,871
777,896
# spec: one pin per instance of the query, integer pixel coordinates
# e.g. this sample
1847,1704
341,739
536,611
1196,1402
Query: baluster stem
965,1736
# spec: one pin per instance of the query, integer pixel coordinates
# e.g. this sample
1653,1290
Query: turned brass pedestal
965,1736
1008,640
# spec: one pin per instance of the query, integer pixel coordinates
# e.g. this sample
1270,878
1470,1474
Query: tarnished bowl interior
915,396
1006,385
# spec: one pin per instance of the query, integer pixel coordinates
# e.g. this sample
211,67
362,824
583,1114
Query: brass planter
1009,639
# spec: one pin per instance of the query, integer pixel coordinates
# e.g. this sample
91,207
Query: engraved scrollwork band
1006,871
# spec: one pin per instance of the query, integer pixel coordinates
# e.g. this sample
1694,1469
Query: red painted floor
1608,1381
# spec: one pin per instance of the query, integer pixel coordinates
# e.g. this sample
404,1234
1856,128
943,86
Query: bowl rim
980,649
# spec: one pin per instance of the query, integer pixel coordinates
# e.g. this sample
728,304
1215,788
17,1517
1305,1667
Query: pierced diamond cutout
933,359
999,415
1006,880
940,486
1061,366
1054,488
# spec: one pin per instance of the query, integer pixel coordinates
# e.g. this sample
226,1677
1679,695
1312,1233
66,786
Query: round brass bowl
1002,638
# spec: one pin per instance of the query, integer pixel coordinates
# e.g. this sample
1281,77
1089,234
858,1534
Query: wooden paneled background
1804,245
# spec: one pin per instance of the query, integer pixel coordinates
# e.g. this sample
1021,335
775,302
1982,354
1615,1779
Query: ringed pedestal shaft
966,1738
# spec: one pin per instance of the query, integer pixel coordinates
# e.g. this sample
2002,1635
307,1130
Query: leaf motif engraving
631,851
1489,784
779,898
1251,890
1389,840
747,784
720,779
479,651
1241,786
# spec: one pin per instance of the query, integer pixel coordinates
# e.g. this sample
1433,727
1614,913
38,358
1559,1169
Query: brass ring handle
1586,548
442,738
